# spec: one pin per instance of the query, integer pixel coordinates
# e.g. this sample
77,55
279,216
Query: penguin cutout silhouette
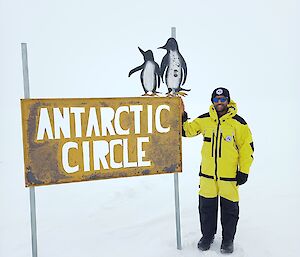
150,76
175,66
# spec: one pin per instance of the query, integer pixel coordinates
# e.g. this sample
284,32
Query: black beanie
220,91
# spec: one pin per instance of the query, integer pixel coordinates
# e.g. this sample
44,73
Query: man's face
219,103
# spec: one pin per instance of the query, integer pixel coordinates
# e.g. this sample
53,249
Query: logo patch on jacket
228,138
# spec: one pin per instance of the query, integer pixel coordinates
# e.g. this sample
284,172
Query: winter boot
204,243
227,246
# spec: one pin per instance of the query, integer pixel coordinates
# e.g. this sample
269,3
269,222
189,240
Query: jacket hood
232,111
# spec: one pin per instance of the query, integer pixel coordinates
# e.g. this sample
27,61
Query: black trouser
208,210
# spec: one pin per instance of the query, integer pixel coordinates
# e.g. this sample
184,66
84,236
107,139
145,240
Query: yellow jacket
227,145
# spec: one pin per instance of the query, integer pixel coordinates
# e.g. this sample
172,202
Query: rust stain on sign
72,140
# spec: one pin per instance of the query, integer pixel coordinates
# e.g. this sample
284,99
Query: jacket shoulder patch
205,115
239,119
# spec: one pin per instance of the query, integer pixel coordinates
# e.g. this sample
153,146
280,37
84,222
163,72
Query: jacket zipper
216,150
220,148
212,146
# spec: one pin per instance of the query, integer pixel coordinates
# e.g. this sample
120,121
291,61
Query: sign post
176,188
31,189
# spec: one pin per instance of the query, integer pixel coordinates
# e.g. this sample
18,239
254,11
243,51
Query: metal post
176,188
31,189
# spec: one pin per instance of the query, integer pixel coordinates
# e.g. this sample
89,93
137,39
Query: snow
86,49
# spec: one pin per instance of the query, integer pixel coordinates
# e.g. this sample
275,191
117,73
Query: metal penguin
175,66
150,75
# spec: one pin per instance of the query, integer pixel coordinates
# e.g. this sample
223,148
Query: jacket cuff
245,170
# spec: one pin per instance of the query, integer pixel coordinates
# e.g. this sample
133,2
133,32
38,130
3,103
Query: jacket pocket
229,144
213,144
220,145
205,175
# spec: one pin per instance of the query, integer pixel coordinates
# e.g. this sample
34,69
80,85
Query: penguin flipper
135,70
158,81
183,65
157,74
166,78
181,78
163,66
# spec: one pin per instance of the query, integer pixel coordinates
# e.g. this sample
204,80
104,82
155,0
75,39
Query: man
227,154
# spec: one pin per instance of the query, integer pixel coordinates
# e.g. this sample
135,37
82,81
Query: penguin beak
162,47
141,50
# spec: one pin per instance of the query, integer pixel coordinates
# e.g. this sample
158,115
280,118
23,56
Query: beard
221,108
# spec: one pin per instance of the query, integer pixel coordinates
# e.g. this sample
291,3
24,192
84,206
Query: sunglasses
222,99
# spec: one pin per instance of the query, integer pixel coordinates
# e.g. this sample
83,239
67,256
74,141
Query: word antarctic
90,122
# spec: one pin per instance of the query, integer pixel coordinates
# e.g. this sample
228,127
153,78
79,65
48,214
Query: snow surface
86,49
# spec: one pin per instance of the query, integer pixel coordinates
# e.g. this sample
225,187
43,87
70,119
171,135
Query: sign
72,140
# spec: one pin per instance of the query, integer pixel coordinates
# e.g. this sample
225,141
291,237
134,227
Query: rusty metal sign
72,140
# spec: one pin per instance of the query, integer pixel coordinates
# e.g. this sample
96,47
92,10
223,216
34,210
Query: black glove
241,178
184,117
